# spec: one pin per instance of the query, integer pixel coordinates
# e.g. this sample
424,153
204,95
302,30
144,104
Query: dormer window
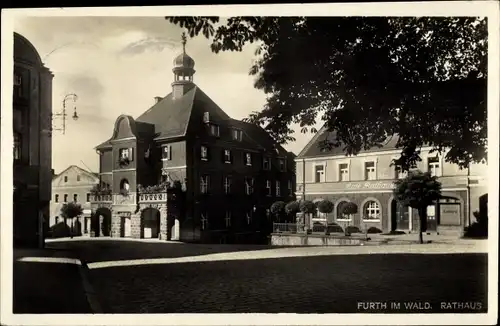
206,117
167,153
266,163
237,134
227,156
248,159
282,164
214,130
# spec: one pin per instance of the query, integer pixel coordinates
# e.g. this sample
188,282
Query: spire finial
184,41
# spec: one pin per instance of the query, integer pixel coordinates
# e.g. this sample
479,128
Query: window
75,198
344,172
268,188
78,178
124,153
56,198
227,185
228,219
249,186
237,134
319,173
278,189
282,164
204,184
204,153
433,166
290,187
18,80
249,217
167,153
227,156
371,211
266,163
214,130
340,212
88,197
399,173
206,117
65,178
204,220
370,173
65,198
248,159
17,146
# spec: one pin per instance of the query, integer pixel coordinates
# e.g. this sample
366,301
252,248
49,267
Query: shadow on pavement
104,250
326,284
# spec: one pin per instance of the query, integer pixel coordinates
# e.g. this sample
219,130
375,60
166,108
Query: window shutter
169,152
131,149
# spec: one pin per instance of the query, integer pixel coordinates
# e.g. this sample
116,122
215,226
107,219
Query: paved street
46,281
142,277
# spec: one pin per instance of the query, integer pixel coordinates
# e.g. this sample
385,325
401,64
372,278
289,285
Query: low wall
300,239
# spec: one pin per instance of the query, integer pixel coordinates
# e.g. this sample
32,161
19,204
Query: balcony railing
153,198
288,228
101,198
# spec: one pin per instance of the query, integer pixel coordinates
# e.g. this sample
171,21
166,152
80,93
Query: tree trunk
422,214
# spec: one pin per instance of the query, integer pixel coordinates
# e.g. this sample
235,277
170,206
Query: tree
325,206
291,209
418,190
307,207
278,208
70,211
367,78
349,209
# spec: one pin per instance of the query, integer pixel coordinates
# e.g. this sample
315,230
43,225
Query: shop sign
370,185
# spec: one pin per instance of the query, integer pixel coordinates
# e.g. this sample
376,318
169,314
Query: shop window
371,211
340,212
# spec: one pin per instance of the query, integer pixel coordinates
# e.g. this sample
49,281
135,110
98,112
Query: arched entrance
101,222
150,226
400,216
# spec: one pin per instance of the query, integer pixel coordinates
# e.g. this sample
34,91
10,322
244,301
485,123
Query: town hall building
230,171
367,179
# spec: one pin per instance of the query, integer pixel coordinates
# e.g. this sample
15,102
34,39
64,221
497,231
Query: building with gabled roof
367,179
73,184
230,171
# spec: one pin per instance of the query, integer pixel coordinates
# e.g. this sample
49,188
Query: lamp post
62,114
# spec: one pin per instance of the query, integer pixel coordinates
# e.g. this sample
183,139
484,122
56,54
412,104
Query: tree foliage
278,208
307,207
418,190
325,206
422,79
349,209
71,210
292,207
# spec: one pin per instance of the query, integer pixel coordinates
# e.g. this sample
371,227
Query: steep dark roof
171,119
312,149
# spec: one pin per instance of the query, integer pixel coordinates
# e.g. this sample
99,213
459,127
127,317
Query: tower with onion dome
183,72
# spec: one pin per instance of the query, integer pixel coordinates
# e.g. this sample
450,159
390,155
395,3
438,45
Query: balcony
159,197
101,198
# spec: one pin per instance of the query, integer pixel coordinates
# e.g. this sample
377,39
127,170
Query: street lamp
62,114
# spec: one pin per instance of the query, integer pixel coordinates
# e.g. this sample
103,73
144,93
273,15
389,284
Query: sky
117,65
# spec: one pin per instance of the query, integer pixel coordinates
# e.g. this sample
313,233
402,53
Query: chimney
158,99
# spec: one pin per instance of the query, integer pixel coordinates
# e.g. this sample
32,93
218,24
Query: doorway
400,217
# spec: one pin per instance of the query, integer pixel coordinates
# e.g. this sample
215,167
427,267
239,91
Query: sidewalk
47,281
